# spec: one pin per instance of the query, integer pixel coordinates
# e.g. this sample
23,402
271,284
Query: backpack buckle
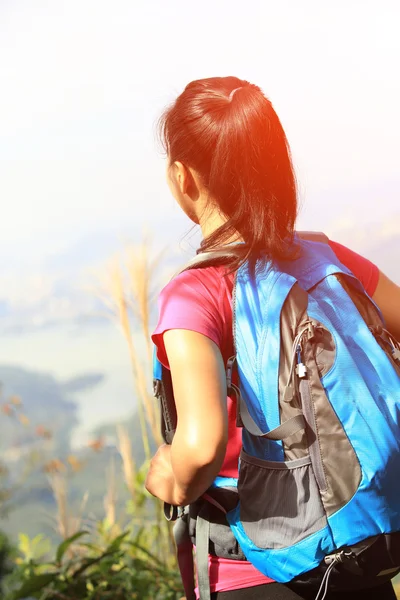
311,327
229,371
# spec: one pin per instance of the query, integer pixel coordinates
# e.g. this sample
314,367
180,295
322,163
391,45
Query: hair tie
233,92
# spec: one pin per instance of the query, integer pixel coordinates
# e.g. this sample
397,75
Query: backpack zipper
299,368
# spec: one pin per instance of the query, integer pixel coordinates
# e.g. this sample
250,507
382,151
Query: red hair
228,132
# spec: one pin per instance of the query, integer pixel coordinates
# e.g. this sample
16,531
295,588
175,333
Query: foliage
6,555
106,567
129,557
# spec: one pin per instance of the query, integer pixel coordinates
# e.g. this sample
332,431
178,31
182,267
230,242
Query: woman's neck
211,220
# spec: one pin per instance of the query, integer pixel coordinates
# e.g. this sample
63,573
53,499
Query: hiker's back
310,363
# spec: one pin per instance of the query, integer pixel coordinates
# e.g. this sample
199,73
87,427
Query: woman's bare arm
387,297
199,382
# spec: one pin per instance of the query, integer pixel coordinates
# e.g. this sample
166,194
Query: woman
230,170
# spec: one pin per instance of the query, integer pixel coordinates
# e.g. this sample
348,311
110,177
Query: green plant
122,569
6,554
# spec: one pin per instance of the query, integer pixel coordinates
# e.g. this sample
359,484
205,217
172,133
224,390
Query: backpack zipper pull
297,367
301,369
387,339
396,354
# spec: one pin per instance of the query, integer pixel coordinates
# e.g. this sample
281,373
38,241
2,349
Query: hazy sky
83,82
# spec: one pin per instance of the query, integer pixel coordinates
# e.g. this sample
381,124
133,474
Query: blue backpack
318,399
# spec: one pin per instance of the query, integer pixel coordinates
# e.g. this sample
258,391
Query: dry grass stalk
141,268
128,463
119,303
110,500
66,524
136,299
81,511
58,484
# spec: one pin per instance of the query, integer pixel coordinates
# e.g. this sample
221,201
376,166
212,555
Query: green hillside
37,418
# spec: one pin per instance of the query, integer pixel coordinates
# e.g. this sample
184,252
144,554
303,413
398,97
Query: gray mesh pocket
280,503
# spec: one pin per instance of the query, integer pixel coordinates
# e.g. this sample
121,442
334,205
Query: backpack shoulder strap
212,258
315,261
224,255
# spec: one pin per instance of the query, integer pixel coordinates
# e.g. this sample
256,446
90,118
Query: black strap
212,258
202,545
170,512
163,391
184,550
225,254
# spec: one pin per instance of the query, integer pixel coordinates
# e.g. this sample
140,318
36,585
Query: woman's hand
160,480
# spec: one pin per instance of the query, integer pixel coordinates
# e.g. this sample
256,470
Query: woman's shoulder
197,283
196,300
365,270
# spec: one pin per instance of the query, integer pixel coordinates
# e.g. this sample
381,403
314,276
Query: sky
84,81
82,84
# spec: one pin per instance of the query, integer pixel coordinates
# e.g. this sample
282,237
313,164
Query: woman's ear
182,176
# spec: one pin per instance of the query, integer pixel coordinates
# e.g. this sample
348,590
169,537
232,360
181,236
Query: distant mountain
82,382
32,401
37,416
